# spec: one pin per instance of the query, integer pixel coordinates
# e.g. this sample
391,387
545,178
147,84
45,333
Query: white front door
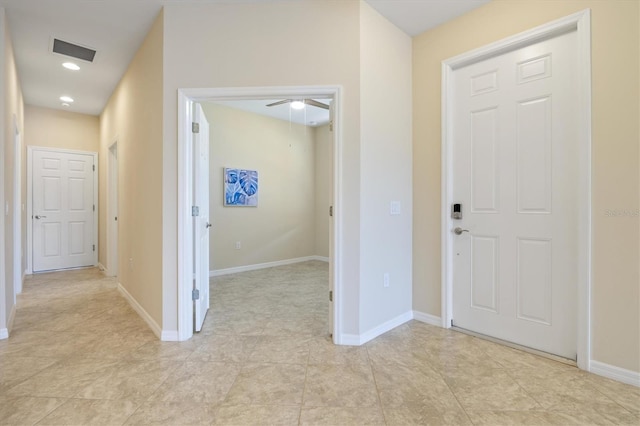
515,168
63,210
201,219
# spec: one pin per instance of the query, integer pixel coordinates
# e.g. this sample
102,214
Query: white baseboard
361,339
157,330
237,269
427,318
349,340
12,318
4,332
169,336
386,326
615,373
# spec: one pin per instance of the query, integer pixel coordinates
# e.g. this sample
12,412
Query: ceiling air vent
73,50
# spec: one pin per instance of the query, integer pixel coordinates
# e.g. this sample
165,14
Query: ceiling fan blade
285,101
316,103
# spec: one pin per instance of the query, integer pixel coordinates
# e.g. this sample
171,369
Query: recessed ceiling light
67,99
297,105
71,66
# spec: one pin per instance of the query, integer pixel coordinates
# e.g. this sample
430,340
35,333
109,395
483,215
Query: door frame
185,189
30,150
581,23
17,211
112,209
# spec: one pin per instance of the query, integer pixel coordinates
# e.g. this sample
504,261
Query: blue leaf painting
240,187
249,181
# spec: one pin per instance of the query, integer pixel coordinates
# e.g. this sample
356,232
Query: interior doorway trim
17,211
186,97
111,268
581,23
30,151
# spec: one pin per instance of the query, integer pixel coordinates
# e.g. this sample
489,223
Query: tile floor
80,355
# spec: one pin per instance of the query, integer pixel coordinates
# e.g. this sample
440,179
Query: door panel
515,167
63,211
201,222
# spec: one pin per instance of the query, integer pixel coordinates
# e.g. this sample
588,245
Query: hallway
80,355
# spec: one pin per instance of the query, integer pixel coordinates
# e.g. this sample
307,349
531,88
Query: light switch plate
394,207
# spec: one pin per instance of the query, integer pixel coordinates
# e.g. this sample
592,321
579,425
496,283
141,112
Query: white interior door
201,220
332,225
63,210
515,174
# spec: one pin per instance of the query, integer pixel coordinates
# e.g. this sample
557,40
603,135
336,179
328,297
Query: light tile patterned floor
80,355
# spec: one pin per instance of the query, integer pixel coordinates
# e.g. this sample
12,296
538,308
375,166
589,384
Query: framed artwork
240,187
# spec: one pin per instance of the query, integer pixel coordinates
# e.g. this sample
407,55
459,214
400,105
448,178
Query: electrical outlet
385,279
238,245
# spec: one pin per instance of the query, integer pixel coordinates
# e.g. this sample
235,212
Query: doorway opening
269,249
186,243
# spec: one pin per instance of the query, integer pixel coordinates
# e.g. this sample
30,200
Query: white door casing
201,222
63,209
17,212
331,223
185,246
112,211
516,154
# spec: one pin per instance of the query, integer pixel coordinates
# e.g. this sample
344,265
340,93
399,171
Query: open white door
331,225
200,213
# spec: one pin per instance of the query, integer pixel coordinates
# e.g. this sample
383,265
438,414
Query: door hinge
195,211
330,295
331,211
94,167
94,207
94,247
195,294
195,127
331,126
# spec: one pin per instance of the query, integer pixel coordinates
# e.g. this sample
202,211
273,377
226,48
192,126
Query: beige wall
615,71
282,226
133,118
12,117
52,128
385,128
265,44
323,179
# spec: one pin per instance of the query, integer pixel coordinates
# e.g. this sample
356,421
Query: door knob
459,231
40,217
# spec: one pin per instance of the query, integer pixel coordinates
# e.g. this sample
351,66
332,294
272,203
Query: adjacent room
280,231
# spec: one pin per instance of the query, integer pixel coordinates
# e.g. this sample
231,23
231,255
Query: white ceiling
116,28
310,115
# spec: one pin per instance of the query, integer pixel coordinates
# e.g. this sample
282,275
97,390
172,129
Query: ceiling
310,115
116,28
